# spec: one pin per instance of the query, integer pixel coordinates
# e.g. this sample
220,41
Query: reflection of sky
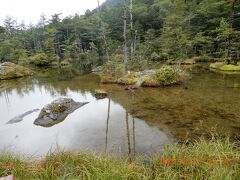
85,129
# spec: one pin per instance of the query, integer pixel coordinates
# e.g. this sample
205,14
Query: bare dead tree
125,34
103,32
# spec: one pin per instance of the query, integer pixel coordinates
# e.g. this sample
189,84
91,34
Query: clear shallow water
208,102
87,129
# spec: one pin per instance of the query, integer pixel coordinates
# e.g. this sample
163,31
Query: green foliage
168,75
164,30
40,59
111,72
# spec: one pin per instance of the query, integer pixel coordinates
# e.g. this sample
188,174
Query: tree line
139,29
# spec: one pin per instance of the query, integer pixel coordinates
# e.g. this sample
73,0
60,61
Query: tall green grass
204,159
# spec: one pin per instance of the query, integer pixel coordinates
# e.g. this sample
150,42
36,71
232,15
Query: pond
127,122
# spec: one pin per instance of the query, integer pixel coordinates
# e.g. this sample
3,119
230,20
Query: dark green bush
168,75
40,59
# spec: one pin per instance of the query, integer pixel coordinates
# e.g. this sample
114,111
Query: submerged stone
19,118
57,111
10,70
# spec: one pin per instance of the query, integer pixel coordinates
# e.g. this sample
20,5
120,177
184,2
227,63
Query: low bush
168,75
129,79
40,59
112,71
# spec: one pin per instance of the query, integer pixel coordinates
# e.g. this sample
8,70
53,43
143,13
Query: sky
30,10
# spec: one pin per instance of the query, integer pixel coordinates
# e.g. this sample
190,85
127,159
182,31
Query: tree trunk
103,33
125,34
131,25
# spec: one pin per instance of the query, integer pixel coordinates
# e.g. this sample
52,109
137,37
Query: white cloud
30,10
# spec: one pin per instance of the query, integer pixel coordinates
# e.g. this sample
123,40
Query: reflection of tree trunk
134,145
128,135
108,117
6,98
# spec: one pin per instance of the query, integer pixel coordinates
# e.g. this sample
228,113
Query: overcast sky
30,10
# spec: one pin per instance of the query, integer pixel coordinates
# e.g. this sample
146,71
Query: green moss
216,65
224,67
127,80
42,114
14,71
230,67
58,108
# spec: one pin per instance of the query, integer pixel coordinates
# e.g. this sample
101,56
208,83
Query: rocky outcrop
10,70
57,111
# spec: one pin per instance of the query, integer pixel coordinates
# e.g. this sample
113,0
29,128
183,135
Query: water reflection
128,122
89,128
108,117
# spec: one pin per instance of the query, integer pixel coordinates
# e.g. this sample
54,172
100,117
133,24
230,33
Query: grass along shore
204,159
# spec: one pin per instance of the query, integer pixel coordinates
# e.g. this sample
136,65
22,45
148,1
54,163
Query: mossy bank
11,71
221,66
164,76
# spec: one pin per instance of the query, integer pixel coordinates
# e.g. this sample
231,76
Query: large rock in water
10,70
57,111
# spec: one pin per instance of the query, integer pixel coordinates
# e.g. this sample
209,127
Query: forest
133,89
156,30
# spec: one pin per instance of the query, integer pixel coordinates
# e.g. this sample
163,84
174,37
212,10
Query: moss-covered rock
10,71
225,67
57,111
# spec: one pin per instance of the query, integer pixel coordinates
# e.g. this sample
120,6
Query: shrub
129,79
168,75
111,72
40,59
151,81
